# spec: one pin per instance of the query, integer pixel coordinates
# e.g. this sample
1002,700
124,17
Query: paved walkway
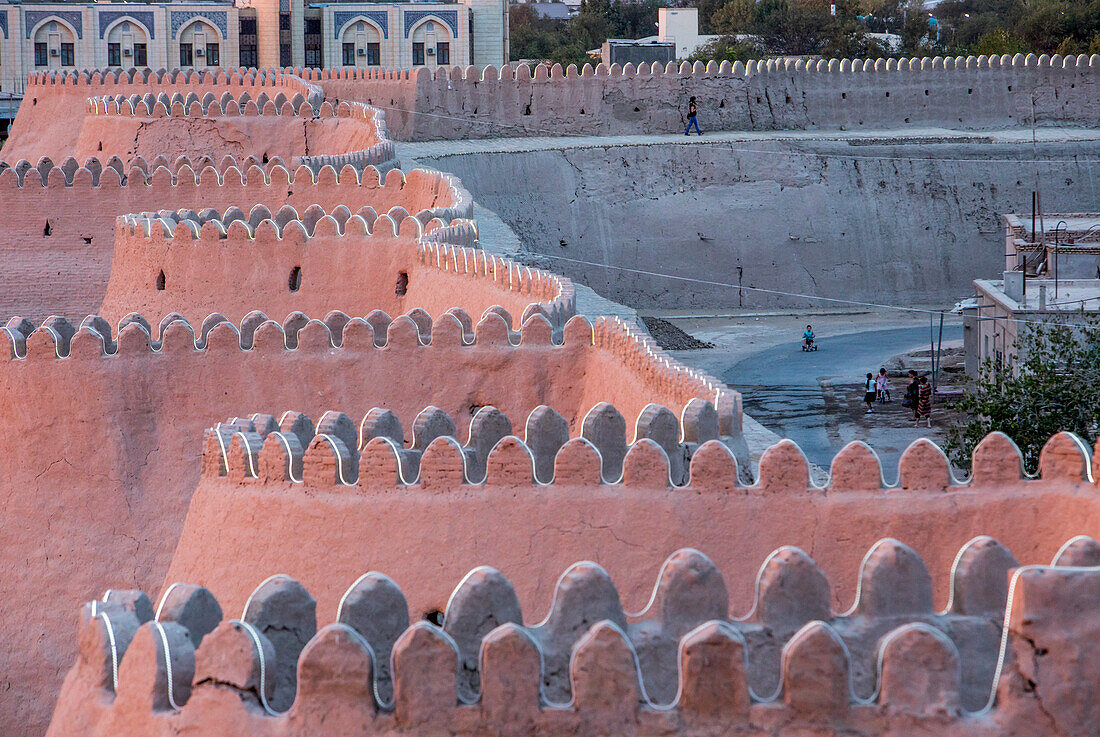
918,136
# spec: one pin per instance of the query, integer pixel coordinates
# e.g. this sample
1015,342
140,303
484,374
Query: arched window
54,45
431,44
200,45
127,45
361,45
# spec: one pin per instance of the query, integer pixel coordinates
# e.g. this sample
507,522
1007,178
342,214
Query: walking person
911,392
924,401
869,393
693,111
882,386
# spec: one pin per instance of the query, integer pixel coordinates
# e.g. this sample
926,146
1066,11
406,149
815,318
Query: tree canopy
757,28
1050,385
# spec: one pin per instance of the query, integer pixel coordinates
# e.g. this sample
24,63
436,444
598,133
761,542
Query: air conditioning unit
200,52
55,52
360,52
431,52
127,52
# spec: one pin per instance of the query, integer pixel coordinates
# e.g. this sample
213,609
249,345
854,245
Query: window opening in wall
213,55
295,281
285,54
248,42
141,55
418,54
100,147
47,230
114,55
313,42
443,53
402,287
68,55
187,55
160,281
265,157
349,55
374,54
41,56
435,617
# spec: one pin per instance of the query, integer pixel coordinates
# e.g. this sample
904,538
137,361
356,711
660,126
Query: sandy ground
816,398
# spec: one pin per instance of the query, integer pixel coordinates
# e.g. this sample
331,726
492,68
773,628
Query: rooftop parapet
681,666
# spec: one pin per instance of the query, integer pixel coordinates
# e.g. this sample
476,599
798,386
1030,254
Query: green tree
999,42
1051,385
726,48
734,17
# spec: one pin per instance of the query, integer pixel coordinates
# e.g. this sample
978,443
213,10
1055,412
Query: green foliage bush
1050,385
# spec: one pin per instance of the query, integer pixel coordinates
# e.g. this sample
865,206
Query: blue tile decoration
74,17
450,17
216,18
143,18
342,17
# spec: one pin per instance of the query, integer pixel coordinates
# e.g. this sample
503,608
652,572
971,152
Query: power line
763,290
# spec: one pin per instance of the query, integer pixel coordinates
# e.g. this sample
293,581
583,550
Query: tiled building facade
265,33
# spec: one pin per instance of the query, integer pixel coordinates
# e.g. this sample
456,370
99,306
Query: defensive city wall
358,295
954,92
1007,654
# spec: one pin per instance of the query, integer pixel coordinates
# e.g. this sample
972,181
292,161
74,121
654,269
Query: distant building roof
556,11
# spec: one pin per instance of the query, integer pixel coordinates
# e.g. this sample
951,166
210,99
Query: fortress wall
969,93
56,104
125,431
264,137
531,532
315,265
697,645
67,271
906,222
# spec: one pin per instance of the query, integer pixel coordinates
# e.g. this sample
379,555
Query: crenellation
683,653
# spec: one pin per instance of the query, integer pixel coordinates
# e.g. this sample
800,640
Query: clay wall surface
314,262
968,93
101,457
898,222
66,272
1008,655
620,517
57,104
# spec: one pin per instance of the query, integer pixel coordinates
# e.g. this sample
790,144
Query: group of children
918,394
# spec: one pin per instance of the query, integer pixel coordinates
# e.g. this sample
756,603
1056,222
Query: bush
1051,385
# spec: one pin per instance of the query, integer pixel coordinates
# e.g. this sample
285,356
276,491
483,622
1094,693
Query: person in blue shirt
808,336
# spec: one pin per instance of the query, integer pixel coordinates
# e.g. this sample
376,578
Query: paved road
815,398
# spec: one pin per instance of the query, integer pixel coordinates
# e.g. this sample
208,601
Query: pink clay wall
532,533
63,274
52,120
100,456
353,273
234,135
